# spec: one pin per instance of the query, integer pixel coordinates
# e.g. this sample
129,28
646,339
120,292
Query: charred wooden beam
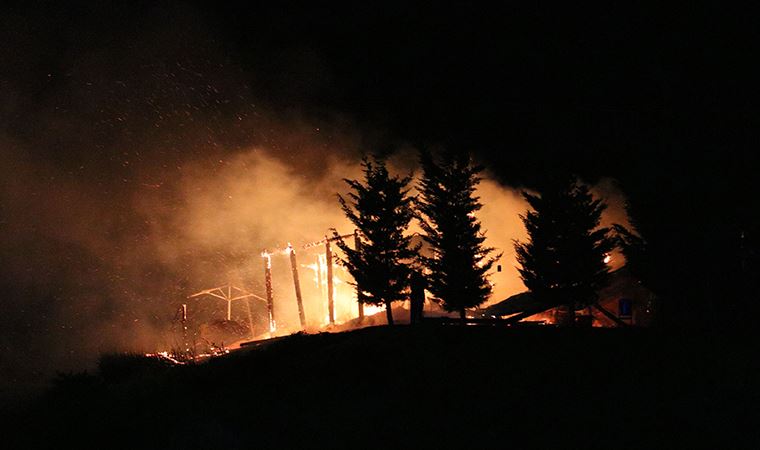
184,328
270,295
326,239
229,302
330,294
297,286
525,314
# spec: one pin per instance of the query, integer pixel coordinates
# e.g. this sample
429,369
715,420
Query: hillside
389,387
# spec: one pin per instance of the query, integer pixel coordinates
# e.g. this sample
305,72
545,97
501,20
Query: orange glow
344,294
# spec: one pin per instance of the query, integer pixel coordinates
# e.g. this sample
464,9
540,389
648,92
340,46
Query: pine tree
381,210
460,262
563,263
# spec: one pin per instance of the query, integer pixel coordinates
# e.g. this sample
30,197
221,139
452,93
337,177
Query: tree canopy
380,208
459,265
563,262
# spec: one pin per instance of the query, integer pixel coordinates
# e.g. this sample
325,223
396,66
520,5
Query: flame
345,303
185,357
268,256
370,310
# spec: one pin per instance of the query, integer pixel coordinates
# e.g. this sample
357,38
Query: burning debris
336,304
325,299
270,296
229,293
183,358
297,285
334,295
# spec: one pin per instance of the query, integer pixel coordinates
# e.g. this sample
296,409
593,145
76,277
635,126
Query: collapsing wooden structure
328,264
228,293
324,263
622,302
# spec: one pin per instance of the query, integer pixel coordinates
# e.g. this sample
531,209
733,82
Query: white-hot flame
268,256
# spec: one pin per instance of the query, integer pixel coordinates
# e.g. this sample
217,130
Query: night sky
588,87
104,104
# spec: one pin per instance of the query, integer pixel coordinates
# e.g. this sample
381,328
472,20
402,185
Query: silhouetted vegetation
460,261
563,262
620,388
381,210
116,367
638,258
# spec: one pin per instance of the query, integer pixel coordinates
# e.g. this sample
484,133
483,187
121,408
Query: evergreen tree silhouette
447,205
562,264
381,210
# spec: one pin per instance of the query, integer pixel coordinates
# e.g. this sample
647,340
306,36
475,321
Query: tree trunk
389,313
564,315
571,315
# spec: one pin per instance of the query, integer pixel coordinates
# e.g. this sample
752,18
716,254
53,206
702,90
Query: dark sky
100,100
586,86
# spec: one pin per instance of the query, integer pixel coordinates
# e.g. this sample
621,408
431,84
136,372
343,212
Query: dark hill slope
438,386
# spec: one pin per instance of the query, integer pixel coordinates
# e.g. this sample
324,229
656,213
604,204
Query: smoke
219,218
137,171
500,221
134,170
244,204
607,190
85,274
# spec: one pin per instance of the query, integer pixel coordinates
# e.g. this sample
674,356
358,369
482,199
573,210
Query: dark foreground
427,387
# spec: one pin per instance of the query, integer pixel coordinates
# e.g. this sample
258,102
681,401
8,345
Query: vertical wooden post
297,285
184,327
250,316
268,283
229,302
330,299
359,296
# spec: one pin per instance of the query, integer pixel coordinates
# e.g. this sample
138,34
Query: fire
268,257
373,309
343,293
187,357
330,280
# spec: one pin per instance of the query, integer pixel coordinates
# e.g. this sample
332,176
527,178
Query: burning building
623,301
